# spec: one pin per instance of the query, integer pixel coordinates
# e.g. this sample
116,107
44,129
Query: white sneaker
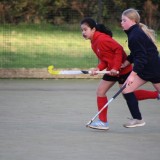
99,125
134,123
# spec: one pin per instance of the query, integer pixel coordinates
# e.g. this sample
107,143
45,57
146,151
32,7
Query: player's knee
100,92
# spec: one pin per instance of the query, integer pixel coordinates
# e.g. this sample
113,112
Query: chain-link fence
34,39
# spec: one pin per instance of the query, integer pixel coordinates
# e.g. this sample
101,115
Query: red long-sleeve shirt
110,53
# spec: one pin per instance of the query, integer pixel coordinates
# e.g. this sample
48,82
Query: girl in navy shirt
146,60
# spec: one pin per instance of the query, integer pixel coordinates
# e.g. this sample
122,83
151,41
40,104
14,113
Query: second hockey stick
119,91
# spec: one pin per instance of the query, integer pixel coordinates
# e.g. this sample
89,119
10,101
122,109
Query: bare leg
136,84
157,87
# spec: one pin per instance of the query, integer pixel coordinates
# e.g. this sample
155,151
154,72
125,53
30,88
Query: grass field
37,46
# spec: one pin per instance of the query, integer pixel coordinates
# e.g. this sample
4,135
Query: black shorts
121,79
153,79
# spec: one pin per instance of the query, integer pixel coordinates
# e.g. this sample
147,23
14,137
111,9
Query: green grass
37,46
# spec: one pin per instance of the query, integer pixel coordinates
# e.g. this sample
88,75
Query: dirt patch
38,73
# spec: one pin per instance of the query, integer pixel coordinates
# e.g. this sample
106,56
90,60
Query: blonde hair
133,14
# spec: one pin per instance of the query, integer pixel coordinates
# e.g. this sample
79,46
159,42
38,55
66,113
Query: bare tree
151,14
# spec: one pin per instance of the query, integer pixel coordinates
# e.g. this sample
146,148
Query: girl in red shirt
111,56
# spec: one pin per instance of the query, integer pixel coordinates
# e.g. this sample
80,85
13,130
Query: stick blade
87,125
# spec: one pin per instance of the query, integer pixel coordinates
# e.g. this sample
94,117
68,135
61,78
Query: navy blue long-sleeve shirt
144,54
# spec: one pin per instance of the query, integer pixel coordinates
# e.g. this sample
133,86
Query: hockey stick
120,90
58,72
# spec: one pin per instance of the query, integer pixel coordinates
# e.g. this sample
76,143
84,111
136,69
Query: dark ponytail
99,27
103,29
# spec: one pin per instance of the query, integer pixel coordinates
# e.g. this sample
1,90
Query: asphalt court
45,120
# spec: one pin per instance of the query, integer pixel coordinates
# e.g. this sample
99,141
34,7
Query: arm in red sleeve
118,57
113,53
102,65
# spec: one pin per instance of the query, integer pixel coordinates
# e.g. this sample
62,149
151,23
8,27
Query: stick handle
120,90
102,72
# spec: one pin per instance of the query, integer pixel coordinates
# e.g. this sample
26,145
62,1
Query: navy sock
132,103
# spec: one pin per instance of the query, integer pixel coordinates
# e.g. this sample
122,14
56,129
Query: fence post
99,20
